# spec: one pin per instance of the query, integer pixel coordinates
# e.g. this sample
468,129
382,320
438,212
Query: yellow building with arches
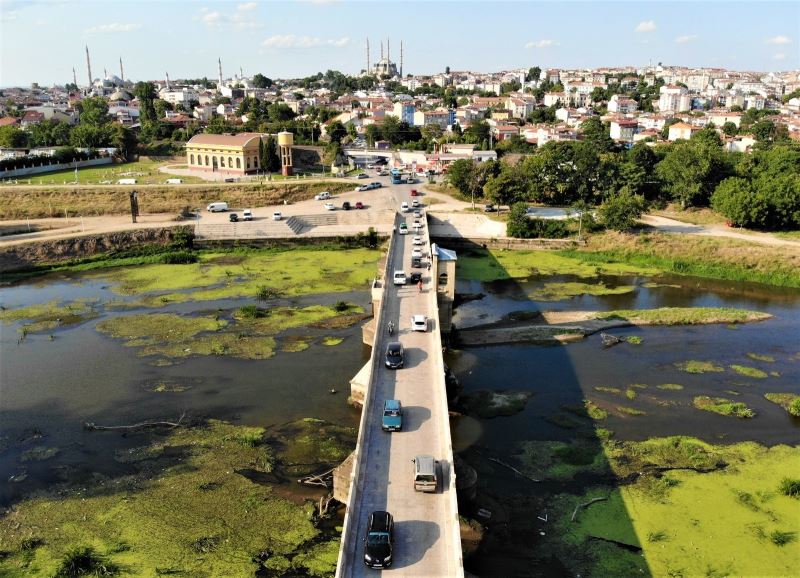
235,154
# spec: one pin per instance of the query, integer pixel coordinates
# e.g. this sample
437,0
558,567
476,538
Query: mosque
385,66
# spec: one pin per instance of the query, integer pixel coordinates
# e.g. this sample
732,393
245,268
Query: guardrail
347,546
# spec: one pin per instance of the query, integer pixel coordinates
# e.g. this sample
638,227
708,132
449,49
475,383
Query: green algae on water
749,371
761,357
723,406
630,410
331,341
561,291
694,366
606,389
670,386
788,401
51,315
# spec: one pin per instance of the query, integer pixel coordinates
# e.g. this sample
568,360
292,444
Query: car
403,229
359,205
379,540
404,207
362,176
323,196
418,214
361,188
375,185
230,180
329,207
416,262
415,278
247,214
489,208
416,253
233,218
392,415
417,224
346,206
394,355
217,207
417,241
414,193
419,323
399,278
276,216
414,203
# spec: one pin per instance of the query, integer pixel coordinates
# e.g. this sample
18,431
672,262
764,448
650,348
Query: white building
622,104
179,96
674,99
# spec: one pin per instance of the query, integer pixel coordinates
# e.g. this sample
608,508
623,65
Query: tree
93,111
459,175
597,133
691,171
620,212
730,129
161,107
447,70
145,92
668,123
13,137
533,74
261,81
272,160
506,188
336,131
372,134
219,125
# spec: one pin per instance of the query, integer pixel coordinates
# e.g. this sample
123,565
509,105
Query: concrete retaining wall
466,243
51,168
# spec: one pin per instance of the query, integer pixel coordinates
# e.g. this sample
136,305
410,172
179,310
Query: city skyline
302,37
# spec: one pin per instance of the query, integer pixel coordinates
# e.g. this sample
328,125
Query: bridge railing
445,440
349,540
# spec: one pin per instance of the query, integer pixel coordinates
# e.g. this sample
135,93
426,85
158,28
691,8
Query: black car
379,540
394,355
346,206
489,208
233,217
415,278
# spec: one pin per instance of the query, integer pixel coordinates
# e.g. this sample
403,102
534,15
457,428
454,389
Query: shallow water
49,388
565,375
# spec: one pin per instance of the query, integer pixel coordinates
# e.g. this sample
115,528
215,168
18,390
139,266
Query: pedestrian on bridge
419,285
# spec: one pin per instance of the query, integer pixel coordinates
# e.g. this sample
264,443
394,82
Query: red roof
8,121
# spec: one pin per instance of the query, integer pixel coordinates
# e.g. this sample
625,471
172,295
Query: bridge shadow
415,416
550,438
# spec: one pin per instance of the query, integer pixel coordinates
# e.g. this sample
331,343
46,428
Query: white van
217,207
247,214
425,478
126,182
399,278
404,207
174,181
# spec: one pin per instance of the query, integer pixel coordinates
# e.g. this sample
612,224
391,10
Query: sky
42,40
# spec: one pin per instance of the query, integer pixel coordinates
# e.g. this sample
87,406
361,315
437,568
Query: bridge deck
426,525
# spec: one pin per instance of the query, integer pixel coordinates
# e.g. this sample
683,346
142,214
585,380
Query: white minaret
74,77
381,49
388,55
401,59
367,71
167,85
219,85
89,67
121,71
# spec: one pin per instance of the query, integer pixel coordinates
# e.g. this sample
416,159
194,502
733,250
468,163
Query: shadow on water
522,538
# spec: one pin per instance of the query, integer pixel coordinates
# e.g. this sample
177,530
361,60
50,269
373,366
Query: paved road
423,536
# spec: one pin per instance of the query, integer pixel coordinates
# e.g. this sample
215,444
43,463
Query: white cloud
779,56
211,18
540,44
8,15
318,1
778,40
292,41
646,26
686,38
114,27
247,6
240,19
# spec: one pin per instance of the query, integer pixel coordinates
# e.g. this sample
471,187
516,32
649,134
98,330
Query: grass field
145,171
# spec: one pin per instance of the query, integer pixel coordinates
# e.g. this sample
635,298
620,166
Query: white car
416,253
362,176
276,216
414,203
417,224
323,196
419,323
399,278
417,241
247,214
418,214
404,207
329,207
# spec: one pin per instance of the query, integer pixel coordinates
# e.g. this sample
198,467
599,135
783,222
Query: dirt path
666,225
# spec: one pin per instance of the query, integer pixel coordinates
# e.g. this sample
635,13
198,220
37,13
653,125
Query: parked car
362,176
414,203
394,355
414,193
323,196
247,214
346,206
417,224
417,241
233,218
361,188
399,278
416,252
375,185
419,323
404,207
489,208
416,262
415,278
379,540
276,216
359,205
417,214
403,229
392,415
329,207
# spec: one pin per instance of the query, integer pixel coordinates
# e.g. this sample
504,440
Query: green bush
794,407
179,258
251,312
341,306
620,212
84,561
521,226
790,487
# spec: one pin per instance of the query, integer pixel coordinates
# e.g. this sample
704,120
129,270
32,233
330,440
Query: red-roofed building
9,121
31,117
